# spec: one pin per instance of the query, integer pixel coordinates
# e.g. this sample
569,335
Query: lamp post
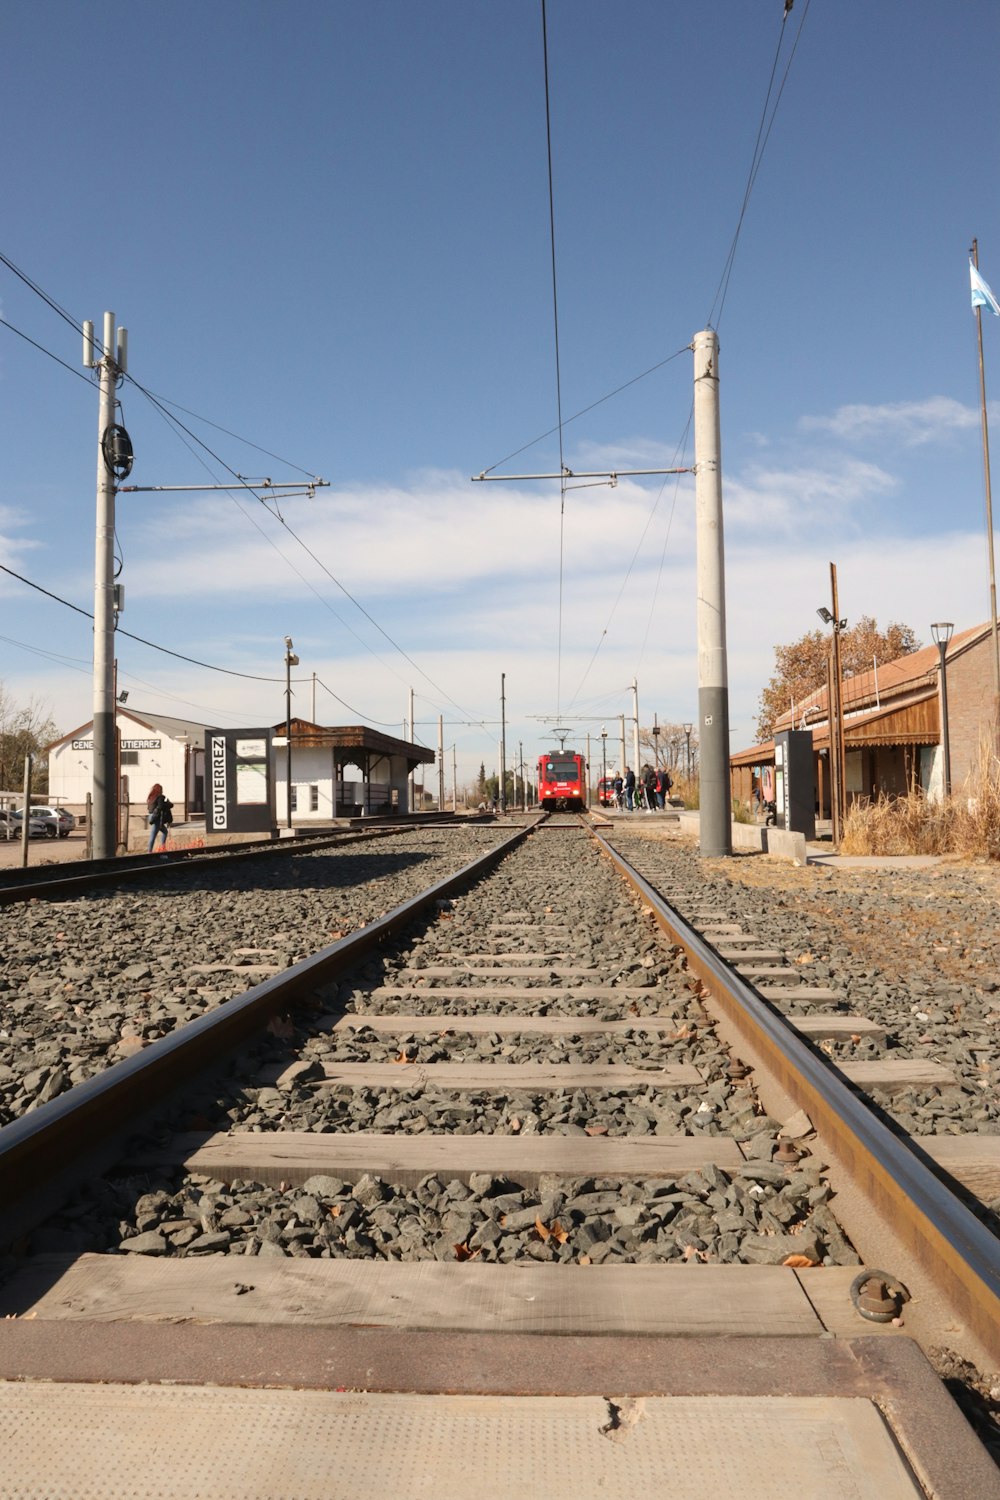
687,728
291,660
602,789
838,777
942,633
656,743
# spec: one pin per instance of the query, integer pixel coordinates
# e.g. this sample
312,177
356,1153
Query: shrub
967,824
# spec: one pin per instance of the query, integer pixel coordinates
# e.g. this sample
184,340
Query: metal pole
26,819
590,799
524,784
503,743
312,703
837,687
440,763
288,727
621,719
635,724
713,676
105,798
454,780
831,721
989,499
945,735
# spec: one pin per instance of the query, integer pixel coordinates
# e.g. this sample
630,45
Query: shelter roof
355,737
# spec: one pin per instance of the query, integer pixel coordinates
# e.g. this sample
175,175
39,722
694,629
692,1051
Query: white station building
336,772
151,748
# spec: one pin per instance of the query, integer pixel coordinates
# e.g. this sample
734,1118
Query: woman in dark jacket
155,812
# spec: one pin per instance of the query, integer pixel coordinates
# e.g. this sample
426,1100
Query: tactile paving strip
102,1442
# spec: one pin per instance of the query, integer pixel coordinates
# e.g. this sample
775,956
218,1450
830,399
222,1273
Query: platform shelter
343,771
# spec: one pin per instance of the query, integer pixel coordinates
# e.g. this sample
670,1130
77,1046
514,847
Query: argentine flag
981,294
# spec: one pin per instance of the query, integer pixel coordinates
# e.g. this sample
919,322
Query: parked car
56,819
10,826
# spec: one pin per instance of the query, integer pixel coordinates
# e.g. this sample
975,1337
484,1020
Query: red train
562,781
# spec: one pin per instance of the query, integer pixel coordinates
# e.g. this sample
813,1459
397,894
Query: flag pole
974,252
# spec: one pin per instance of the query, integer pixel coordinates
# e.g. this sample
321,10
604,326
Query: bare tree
800,667
24,729
669,747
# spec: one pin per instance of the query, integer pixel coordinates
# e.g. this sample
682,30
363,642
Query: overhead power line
228,671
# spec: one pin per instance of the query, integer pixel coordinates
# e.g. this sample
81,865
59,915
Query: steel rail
45,1154
956,1250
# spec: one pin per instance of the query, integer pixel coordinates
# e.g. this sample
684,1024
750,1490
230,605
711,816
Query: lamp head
825,615
942,632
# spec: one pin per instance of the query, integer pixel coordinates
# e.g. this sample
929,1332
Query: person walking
649,787
159,813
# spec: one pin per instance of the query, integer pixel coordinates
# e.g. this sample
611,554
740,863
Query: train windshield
561,768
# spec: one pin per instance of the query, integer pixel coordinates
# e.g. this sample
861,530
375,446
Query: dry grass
966,824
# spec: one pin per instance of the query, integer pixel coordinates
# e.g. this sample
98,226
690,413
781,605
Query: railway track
486,1191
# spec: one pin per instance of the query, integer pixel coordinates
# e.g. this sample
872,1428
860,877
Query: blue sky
326,229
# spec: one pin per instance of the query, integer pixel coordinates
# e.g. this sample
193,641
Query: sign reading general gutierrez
125,744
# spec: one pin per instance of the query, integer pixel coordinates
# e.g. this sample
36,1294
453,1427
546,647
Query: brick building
892,724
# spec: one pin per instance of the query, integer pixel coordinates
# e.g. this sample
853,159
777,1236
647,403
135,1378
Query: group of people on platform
646,792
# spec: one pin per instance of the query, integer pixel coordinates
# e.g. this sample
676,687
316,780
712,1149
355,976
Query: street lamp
687,728
603,789
942,633
656,743
291,660
838,749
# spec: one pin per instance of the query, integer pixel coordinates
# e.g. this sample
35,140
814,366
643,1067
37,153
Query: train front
562,783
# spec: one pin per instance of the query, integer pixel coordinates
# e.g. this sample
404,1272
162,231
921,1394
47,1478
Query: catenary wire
42,350
760,144
228,671
555,329
241,483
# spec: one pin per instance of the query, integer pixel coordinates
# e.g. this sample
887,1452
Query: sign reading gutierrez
217,773
240,783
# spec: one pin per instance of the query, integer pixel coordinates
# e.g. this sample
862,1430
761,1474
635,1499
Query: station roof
355,737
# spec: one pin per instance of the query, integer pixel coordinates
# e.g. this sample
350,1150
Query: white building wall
160,758
312,766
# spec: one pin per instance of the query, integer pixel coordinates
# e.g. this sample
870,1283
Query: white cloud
797,499
912,423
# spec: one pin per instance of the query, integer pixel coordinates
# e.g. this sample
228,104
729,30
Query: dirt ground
46,851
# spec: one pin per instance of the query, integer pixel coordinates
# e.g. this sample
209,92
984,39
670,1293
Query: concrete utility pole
503,743
713,679
635,725
411,780
590,799
440,763
113,458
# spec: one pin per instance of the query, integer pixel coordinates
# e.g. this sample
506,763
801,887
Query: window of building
295,799
130,757
314,799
